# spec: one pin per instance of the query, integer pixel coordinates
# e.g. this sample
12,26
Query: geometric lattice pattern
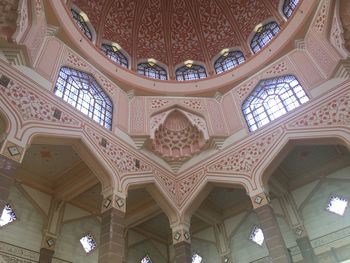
228,61
271,99
289,6
7,216
79,20
115,55
82,91
88,242
151,70
257,235
264,34
337,205
190,72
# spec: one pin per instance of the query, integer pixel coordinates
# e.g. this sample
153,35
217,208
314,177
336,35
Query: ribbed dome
173,31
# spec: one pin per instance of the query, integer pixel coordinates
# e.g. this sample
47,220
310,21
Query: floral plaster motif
280,68
34,107
76,62
125,160
334,112
321,18
188,184
244,160
158,103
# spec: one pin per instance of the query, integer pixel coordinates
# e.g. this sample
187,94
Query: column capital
12,151
113,200
260,200
181,233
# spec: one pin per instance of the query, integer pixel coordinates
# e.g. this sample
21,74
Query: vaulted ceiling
173,31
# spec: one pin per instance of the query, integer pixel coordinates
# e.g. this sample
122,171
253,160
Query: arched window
263,35
271,99
152,70
191,72
80,21
115,55
83,92
228,60
289,6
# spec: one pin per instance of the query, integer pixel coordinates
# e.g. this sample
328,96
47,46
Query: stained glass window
271,99
289,6
196,258
264,34
257,235
337,205
146,259
228,61
80,21
82,91
88,242
190,72
115,55
152,70
7,216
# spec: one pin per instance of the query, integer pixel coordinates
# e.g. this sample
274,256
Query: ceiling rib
106,7
167,9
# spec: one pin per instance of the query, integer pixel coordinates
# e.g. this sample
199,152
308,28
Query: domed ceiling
173,31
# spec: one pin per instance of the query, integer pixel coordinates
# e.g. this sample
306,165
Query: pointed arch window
271,99
80,21
152,70
289,6
228,61
264,34
115,55
190,72
82,91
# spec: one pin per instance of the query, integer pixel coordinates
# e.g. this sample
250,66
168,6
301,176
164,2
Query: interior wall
68,243
26,231
140,246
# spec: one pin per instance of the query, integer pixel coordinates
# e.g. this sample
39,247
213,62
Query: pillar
46,255
296,223
10,157
272,234
112,239
306,249
51,230
182,243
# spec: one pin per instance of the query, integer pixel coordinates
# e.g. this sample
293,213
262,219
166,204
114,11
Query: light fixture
116,47
84,16
225,52
188,63
258,27
151,61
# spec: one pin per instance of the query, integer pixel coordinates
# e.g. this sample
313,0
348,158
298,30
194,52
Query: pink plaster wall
48,59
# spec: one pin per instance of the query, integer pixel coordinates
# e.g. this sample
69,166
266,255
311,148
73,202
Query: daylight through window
83,92
79,20
7,215
264,34
271,99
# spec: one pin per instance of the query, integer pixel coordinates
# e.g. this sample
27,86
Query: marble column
46,255
272,234
295,222
112,239
306,250
8,168
182,243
